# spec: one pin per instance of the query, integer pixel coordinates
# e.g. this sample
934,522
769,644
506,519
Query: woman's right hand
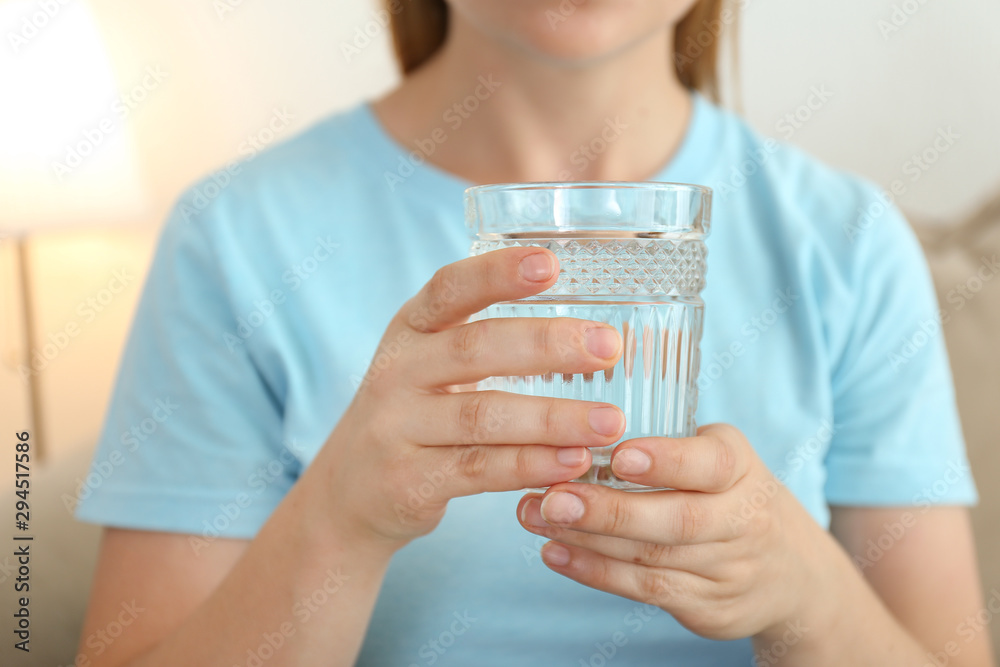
416,436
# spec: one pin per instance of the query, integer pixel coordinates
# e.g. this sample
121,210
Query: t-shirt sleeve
897,438
192,442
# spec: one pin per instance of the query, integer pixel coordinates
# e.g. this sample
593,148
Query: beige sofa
64,552
964,261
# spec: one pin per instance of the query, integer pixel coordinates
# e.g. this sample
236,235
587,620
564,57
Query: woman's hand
412,438
730,553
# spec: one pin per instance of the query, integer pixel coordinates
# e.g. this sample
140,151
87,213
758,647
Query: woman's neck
494,113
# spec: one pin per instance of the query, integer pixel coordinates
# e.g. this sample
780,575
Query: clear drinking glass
631,255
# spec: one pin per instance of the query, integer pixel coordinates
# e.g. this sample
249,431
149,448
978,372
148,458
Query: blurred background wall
174,89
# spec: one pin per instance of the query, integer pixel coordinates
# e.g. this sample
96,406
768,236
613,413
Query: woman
270,513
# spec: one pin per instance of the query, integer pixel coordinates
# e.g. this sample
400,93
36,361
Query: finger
664,587
463,288
663,517
500,418
508,346
712,461
467,470
701,559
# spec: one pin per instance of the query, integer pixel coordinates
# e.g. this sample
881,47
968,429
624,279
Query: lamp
66,154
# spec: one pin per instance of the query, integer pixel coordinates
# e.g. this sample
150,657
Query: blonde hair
419,28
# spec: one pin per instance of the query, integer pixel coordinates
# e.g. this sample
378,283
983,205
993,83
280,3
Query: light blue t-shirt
271,288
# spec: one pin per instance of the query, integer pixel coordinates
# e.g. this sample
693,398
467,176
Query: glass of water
631,255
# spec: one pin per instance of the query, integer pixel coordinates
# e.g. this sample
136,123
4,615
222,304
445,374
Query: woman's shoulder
793,193
272,169
282,201
278,184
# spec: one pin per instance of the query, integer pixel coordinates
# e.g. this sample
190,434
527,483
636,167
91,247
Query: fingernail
571,456
602,342
606,421
561,508
537,268
630,462
531,514
555,554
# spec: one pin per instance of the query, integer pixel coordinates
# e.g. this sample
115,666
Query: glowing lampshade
66,153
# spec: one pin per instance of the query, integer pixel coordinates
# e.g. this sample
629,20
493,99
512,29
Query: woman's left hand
728,551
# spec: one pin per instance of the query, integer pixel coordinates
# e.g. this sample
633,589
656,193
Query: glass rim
679,210
658,186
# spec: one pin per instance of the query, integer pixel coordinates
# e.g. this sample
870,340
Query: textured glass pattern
637,266
653,382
